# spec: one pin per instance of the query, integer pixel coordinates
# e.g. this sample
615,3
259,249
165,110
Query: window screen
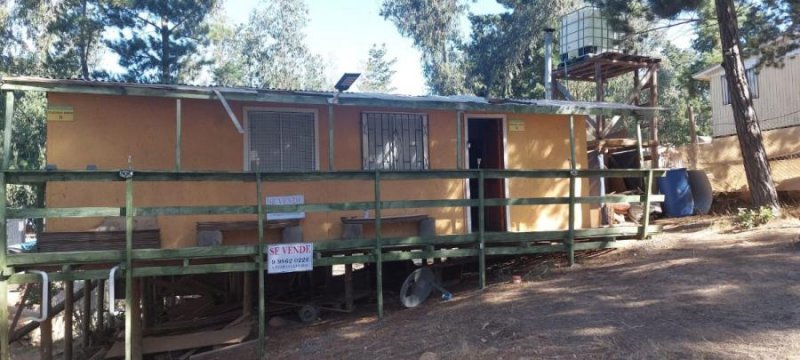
394,141
284,141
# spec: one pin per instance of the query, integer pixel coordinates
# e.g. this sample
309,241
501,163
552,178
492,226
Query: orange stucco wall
107,129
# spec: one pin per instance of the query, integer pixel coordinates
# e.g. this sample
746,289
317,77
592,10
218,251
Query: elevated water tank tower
585,32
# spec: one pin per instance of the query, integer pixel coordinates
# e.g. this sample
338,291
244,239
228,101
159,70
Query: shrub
751,218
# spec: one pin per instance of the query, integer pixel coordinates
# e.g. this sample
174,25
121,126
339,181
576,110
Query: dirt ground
699,291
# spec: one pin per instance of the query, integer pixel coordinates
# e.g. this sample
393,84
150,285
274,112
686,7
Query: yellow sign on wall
60,113
516,125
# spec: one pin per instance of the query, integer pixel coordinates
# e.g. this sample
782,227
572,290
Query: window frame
426,165
246,163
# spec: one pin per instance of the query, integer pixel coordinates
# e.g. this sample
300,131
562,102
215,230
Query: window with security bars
752,84
283,141
394,141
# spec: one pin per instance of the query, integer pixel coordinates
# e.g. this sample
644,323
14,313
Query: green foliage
433,25
157,40
752,218
378,72
269,50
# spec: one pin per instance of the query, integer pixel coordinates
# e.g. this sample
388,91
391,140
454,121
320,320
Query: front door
486,150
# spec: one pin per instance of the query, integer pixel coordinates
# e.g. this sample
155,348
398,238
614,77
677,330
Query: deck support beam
570,243
132,345
481,230
331,119
69,312
178,134
459,140
4,271
378,245
262,351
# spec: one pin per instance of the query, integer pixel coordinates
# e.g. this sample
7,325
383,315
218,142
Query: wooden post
570,246
132,348
100,326
600,95
459,140
69,311
693,137
481,230
348,287
247,293
46,332
654,120
331,166
9,119
8,130
86,314
178,134
639,146
262,322
646,213
378,245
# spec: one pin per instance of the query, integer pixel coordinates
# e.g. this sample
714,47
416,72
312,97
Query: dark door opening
485,146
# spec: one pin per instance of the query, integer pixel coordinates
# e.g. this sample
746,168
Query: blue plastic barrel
678,199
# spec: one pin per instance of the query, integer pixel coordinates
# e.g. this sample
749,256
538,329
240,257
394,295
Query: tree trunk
84,41
165,56
754,157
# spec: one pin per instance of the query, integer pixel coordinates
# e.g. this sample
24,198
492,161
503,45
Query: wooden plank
245,350
37,177
246,224
443,253
195,210
385,219
38,213
154,345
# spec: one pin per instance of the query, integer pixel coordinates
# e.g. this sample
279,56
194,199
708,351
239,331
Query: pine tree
157,40
433,25
378,71
78,27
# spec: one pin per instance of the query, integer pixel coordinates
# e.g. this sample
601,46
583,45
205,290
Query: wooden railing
87,265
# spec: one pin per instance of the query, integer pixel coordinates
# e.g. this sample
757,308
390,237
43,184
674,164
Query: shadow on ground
683,295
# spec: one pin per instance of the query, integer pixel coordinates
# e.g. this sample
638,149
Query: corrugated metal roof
315,97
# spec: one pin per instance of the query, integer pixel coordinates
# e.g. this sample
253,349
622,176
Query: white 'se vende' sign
286,258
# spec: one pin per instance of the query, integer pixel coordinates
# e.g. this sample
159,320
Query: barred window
283,141
394,141
752,84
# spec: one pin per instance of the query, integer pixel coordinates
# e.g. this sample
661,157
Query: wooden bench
96,240
353,227
209,233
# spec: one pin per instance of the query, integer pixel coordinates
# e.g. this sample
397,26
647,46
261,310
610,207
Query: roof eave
310,98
